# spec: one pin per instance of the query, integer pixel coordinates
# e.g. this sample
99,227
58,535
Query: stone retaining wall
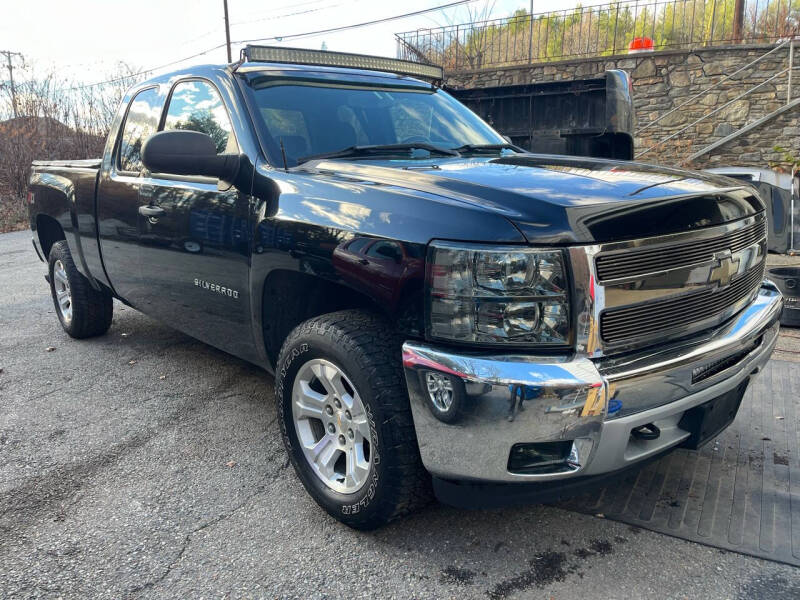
664,80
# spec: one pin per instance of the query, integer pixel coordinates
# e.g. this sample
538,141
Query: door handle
151,211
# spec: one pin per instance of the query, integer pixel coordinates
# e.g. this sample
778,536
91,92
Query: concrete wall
664,80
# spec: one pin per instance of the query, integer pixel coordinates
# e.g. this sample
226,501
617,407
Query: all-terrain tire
90,311
365,348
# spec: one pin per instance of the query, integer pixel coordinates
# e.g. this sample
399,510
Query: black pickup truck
441,310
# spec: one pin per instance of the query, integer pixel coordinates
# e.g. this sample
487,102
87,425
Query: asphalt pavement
145,464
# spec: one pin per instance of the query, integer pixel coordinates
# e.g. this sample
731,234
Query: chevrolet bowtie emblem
725,269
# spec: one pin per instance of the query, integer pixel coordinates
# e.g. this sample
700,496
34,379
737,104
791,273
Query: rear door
193,233
118,195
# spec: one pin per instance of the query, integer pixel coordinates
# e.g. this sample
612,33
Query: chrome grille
677,312
633,262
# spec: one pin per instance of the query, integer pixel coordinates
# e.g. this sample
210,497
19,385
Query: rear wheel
345,419
82,310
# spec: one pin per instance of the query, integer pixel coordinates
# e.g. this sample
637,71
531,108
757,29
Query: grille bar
634,263
653,318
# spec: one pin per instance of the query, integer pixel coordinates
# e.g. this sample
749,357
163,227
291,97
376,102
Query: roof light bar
303,56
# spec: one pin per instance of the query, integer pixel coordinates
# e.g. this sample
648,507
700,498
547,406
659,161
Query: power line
142,72
275,38
273,17
356,25
290,14
293,6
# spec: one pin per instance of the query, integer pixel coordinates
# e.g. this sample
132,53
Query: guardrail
600,30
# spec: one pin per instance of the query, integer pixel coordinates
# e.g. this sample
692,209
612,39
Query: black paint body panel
278,226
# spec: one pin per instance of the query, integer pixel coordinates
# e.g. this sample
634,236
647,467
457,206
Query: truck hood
562,200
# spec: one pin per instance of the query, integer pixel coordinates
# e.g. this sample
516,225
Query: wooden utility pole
10,64
227,30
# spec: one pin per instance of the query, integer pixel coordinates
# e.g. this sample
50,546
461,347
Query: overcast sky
84,39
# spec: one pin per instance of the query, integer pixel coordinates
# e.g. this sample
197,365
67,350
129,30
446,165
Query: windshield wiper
378,149
487,148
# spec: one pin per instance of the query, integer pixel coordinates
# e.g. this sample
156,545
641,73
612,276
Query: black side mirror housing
183,152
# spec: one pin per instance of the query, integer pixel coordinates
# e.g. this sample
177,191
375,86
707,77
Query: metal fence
601,30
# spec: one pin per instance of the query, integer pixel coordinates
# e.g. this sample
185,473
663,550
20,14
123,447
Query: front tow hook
648,431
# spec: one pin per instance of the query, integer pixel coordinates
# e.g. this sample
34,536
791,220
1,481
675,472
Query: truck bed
64,191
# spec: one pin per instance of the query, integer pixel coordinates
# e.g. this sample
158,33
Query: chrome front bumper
594,403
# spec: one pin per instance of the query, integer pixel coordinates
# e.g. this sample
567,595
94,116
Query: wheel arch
291,297
49,231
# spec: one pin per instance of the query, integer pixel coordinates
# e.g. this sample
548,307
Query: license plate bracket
706,421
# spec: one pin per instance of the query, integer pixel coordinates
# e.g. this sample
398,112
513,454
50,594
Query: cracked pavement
144,464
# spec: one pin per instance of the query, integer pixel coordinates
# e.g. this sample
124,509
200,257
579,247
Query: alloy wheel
332,426
63,293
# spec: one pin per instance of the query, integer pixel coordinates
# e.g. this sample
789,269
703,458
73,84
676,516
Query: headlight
506,295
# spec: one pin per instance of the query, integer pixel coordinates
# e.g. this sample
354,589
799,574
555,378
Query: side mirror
183,152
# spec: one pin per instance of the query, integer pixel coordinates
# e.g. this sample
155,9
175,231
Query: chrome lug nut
331,427
329,410
342,441
337,403
348,415
350,434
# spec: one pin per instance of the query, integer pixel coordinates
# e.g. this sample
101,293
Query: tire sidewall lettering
355,508
287,364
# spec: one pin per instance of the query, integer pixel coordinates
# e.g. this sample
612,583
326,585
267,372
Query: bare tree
454,44
56,119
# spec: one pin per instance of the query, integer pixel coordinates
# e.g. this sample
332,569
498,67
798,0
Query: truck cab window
196,106
385,249
288,126
358,244
140,123
313,119
412,120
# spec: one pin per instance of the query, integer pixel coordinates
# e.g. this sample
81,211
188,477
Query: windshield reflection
303,119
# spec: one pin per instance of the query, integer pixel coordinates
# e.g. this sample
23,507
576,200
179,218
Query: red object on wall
641,44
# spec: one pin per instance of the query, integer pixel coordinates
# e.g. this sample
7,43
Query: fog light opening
445,394
542,457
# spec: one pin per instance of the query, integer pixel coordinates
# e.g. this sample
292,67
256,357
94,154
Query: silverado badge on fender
215,287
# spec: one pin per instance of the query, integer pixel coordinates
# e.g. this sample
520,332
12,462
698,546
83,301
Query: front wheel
345,419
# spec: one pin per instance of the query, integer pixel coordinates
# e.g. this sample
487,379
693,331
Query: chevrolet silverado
442,311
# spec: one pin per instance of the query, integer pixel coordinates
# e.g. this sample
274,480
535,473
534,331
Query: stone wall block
736,112
647,68
679,78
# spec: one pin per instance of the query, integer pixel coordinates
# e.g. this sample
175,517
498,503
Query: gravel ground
146,464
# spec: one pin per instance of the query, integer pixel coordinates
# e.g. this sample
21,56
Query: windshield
311,118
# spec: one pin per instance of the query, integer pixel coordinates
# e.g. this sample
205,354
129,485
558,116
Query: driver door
193,234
